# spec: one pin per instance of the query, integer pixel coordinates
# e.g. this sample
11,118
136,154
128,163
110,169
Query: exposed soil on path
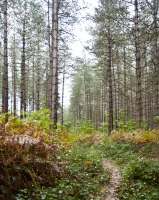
110,191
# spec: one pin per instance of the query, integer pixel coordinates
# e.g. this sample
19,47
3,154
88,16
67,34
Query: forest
104,143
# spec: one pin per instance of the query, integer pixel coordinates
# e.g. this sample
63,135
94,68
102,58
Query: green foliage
103,127
85,127
83,176
117,151
130,125
127,126
72,168
65,127
140,180
144,124
85,170
41,118
121,115
156,118
140,174
2,119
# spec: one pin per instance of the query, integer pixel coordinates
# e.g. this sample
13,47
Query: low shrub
140,180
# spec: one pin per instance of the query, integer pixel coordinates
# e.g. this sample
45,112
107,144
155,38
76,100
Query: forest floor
69,166
110,191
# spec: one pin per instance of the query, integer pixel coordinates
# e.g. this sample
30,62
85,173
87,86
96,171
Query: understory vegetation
37,163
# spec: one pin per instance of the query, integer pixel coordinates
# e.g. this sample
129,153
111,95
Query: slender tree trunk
156,67
14,71
27,87
138,69
38,80
47,85
115,99
54,75
146,88
23,78
33,84
90,105
63,90
5,69
119,101
102,102
110,120
50,70
131,103
125,90
85,102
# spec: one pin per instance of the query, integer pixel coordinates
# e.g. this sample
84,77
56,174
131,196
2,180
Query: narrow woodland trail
109,193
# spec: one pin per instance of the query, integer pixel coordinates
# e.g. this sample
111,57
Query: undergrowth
37,163
138,159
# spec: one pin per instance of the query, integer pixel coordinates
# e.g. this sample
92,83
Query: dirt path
109,193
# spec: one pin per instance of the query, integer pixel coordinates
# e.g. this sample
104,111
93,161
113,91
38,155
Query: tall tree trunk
138,68
156,66
125,90
49,77
38,79
102,112
5,69
63,90
54,71
23,78
146,88
110,120
115,97
47,95
14,75
33,84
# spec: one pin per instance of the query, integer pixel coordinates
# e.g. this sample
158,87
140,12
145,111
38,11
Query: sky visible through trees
81,35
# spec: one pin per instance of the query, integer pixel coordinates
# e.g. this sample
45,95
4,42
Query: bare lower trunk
14,78
23,80
156,74
110,120
63,89
54,70
38,80
5,70
138,69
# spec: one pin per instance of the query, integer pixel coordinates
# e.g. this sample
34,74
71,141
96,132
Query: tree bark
38,79
54,63
110,120
156,66
138,68
63,90
5,69
23,73
14,77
